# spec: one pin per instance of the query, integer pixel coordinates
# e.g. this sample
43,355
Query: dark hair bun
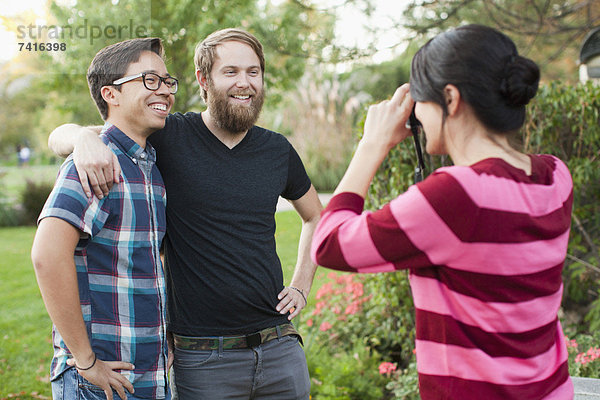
520,82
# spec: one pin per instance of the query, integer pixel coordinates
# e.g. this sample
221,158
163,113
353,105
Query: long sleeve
351,240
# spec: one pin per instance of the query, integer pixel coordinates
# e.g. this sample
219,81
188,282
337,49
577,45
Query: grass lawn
25,346
25,328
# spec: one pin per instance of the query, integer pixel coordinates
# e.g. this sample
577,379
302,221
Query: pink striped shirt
485,246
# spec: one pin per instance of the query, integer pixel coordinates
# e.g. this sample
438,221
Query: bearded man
227,309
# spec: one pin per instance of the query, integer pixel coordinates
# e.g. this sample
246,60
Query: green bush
33,198
352,307
351,375
10,215
584,355
565,120
351,329
405,383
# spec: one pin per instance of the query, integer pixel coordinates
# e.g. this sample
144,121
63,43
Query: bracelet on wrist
301,292
91,366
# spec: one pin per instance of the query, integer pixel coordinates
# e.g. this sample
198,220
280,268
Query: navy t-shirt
223,273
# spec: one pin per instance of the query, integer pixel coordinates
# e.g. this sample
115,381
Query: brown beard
230,117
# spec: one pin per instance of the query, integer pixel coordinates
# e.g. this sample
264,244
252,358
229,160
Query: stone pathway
586,388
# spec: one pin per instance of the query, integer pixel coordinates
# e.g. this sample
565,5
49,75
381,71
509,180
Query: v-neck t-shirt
223,272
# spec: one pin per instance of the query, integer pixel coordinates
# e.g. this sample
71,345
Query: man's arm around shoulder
96,164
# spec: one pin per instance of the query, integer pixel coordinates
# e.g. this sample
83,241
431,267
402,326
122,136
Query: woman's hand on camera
386,122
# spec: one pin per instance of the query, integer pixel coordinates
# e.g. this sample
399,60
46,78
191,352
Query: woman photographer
484,240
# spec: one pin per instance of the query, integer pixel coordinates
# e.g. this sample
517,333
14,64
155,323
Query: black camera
415,127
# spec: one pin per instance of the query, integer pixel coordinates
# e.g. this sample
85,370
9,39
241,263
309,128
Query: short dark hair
206,54
112,62
485,66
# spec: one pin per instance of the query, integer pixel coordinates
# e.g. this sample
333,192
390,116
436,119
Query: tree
548,31
290,34
290,31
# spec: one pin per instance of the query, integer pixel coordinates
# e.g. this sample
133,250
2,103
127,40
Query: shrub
10,215
33,198
351,375
405,383
584,355
351,329
565,120
350,309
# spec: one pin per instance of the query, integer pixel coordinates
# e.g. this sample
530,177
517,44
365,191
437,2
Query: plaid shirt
120,275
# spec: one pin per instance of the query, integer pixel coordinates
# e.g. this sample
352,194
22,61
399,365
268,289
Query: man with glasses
97,260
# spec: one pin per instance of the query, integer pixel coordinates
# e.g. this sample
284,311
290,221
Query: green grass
25,328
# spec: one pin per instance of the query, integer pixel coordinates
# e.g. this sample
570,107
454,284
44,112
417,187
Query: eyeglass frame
142,75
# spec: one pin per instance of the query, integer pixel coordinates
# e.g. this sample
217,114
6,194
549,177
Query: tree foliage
548,31
291,32
565,121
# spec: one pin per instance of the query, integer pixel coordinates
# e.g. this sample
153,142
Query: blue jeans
273,370
72,386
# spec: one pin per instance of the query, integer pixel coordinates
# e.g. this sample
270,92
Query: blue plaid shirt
120,275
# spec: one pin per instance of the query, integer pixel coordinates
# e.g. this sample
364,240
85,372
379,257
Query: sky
349,30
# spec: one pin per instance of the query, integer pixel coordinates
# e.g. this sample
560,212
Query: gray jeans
272,370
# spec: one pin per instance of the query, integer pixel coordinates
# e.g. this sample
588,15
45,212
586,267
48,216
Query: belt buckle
253,339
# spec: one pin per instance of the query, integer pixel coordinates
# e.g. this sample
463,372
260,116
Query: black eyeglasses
415,127
151,81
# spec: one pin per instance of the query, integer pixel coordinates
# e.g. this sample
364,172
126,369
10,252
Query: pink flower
353,308
571,343
319,308
325,326
347,279
386,368
309,322
324,290
593,353
582,359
